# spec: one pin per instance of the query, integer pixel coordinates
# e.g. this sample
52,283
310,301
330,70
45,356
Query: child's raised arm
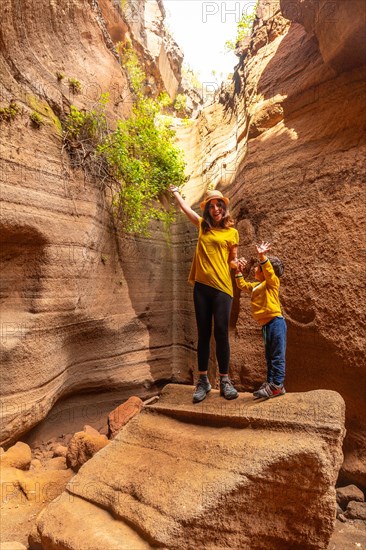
262,250
266,266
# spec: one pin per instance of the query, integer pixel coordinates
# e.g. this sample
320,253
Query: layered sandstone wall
141,23
82,307
293,127
80,310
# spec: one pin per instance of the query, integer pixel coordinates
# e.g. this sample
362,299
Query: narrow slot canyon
102,446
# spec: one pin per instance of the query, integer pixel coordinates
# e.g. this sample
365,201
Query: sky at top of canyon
201,28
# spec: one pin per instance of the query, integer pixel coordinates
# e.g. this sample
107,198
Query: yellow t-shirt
210,264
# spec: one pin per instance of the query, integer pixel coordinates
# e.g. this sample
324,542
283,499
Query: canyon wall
301,186
289,143
86,309
83,308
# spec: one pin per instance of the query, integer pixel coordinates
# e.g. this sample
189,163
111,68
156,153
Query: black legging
210,302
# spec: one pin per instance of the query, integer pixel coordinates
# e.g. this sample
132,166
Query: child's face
258,273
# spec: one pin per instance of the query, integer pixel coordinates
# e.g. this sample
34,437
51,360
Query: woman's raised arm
184,206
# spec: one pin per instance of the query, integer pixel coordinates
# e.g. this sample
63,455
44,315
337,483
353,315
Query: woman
215,254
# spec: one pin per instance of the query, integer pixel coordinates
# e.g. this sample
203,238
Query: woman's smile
215,210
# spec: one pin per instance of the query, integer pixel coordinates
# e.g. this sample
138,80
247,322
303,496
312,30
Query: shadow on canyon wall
302,189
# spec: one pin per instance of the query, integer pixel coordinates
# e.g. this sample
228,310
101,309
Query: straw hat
214,194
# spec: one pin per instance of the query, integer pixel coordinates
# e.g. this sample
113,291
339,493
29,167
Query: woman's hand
233,264
173,189
233,257
184,206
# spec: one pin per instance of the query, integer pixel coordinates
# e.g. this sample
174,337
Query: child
266,309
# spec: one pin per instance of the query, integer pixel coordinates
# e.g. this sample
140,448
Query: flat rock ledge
219,474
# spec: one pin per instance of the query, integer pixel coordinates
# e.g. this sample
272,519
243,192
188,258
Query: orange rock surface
287,143
214,475
86,309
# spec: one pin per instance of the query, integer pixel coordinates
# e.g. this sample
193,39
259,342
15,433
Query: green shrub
143,157
186,121
243,30
81,125
131,64
164,100
191,77
180,104
139,157
74,85
8,113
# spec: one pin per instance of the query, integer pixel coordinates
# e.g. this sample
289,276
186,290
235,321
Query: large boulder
100,530
218,474
18,456
24,494
356,510
348,494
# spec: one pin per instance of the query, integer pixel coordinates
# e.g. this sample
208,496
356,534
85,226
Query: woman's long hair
208,223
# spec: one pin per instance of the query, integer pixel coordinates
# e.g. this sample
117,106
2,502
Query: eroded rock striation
77,313
212,475
287,144
301,186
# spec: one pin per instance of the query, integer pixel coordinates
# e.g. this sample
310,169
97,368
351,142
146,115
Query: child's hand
263,247
241,264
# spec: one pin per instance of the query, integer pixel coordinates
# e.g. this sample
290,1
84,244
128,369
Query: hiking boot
227,390
264,385
201,391
269,390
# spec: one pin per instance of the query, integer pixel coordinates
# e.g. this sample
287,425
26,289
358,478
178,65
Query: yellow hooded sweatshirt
265,301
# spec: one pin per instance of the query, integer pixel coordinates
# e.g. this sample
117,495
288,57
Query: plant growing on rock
192,78
243,30
83,131
180,104
74,85
8,113
131,64
137,160
164,100
36,119
186,121
142,156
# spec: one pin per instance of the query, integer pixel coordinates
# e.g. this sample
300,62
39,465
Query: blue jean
274,336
